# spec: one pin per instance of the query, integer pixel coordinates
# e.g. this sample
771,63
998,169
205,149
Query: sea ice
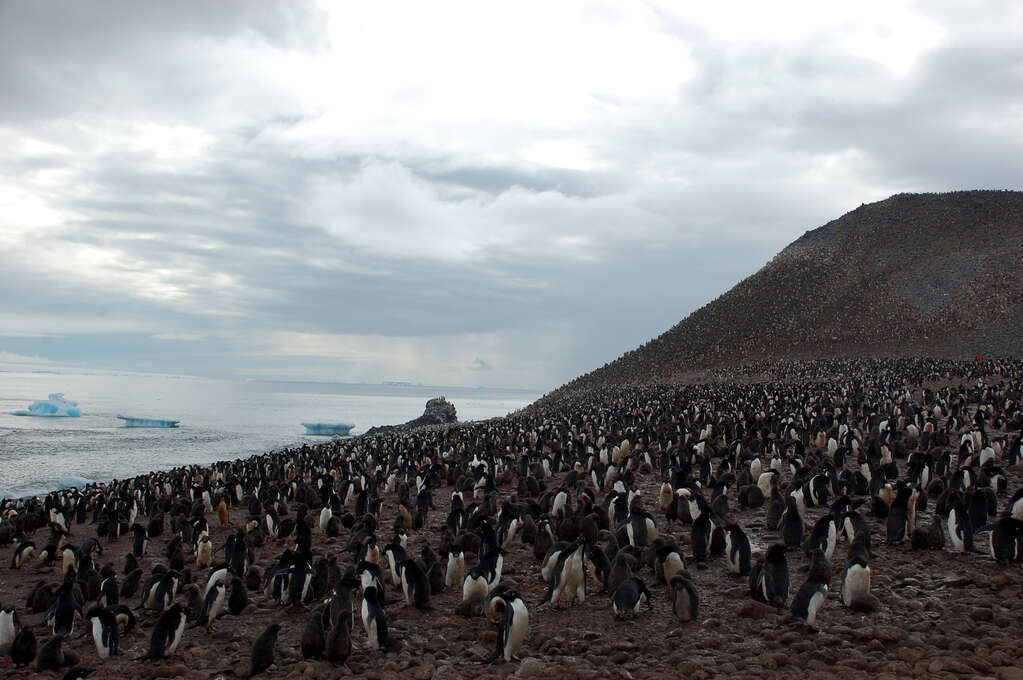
131,421
54,407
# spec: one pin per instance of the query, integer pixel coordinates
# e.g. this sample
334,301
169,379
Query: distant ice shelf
54,407
73,482
328,429
131,421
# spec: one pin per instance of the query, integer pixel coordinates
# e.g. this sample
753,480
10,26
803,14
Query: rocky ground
942,615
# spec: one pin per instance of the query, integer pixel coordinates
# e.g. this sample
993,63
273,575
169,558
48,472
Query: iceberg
73,482
54,407
328,429
131,421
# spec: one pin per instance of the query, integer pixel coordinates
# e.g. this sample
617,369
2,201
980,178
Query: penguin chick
262,656
685,601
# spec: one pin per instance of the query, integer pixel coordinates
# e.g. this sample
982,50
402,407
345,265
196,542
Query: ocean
220,420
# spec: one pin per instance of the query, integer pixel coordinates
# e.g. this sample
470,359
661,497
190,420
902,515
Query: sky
455,193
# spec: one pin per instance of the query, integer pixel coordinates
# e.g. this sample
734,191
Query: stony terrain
942,614
914,275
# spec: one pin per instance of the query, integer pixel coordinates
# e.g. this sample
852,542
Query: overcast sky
500,194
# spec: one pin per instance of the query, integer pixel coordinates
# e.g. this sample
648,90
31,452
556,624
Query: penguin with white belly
512,627
105,632
814,592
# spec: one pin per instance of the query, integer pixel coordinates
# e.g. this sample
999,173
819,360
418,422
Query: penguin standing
105,633
262,656
568,577
737,550
22,552
167,633
1006,539
512,627
53,657
769,578
313,639
474,591
898,515
791,524
629,596
960,529
373,619
61,614
213,606
685,601
238,600
415,585
8,628
23,648
856,581
812,594
455,572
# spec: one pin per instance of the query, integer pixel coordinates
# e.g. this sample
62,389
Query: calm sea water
220,419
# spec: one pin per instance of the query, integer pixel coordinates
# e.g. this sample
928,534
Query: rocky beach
939,613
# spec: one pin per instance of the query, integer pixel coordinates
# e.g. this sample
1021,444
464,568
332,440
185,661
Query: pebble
982,614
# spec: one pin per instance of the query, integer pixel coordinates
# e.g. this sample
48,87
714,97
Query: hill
914,275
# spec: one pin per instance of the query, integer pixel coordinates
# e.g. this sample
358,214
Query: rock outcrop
439,411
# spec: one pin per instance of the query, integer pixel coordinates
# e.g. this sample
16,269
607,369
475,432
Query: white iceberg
132,421
328,429
73,482
54,407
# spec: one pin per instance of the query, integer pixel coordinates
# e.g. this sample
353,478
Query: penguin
108,592
22,552
139,540
105,632
415,585
262,656
568,577
8,628
167,633
898,515
791,524
814,591
700,538
856,580
124,617
61,614
212,607
374,621
53,657
339,639
960,529
23,648
204,552
455,572
685,602
769,577
824,536
670,561
629,596
1006,540
596,563
313,639
512,627
737,550
474,590
238,600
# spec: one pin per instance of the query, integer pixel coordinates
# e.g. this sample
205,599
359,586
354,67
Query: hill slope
913,275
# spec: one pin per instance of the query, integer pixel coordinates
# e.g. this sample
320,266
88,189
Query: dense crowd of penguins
854,439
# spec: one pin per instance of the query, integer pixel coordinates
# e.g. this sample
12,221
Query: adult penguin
512,627
769,578
212,607
61,614
1006,539
629,596
22,552
105,632
898,515
737,550
685,601
792,524
814,591
960,529
824,535
568,577
374,621
262,656
9,626
455,572
856,580
415,585
167,633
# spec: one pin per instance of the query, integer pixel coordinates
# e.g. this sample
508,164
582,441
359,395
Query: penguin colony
609,512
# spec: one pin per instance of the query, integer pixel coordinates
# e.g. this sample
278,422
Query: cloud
291,189
479,365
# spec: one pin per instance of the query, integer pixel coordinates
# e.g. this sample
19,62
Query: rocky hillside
916,274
